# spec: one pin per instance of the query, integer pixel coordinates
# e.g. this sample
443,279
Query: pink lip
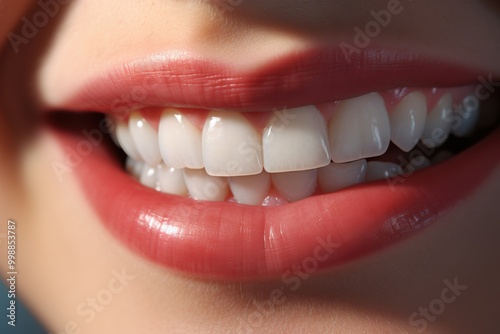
231,241
312,77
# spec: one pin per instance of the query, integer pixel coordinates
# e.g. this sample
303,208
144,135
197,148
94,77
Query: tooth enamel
252,189
148,176
295,186
202,186
359,129
113,123
295,140
134,167
180,141
338,176
145,139
468,113
378,170
408,121
171,180
125,140
437,125
231,145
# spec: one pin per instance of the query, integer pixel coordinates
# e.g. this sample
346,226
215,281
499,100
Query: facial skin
68,258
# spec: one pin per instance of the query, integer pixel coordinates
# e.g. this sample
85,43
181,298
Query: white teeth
171,180
378,170
438,124
251,190
145,139
468,114
125,140
148,176
231,145
180,141
294,140
359,129
113,123
229,160
408,121
295,186
134,167
204,187
338,176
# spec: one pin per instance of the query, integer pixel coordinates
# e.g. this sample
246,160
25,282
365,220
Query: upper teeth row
292,140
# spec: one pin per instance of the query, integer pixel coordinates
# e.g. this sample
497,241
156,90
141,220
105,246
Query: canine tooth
359,129
438,125
171,180
250,189
180,141
408,121
145,139
148,176
295,186
338,176
295,140
202,186
378,170
469,116
125,140
231,145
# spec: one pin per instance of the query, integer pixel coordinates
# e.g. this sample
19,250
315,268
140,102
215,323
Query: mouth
292,168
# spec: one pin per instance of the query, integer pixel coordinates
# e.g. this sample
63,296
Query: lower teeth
272,189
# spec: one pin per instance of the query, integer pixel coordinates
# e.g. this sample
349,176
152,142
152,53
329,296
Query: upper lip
315,76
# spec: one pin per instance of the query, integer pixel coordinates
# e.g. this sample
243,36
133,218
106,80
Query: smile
232,174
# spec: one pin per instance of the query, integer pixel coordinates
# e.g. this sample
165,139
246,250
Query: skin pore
69,258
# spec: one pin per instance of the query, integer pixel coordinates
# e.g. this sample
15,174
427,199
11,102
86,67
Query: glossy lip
320,75
221,240
232,241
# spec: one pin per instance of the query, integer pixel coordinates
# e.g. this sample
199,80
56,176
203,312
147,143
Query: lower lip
229,241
